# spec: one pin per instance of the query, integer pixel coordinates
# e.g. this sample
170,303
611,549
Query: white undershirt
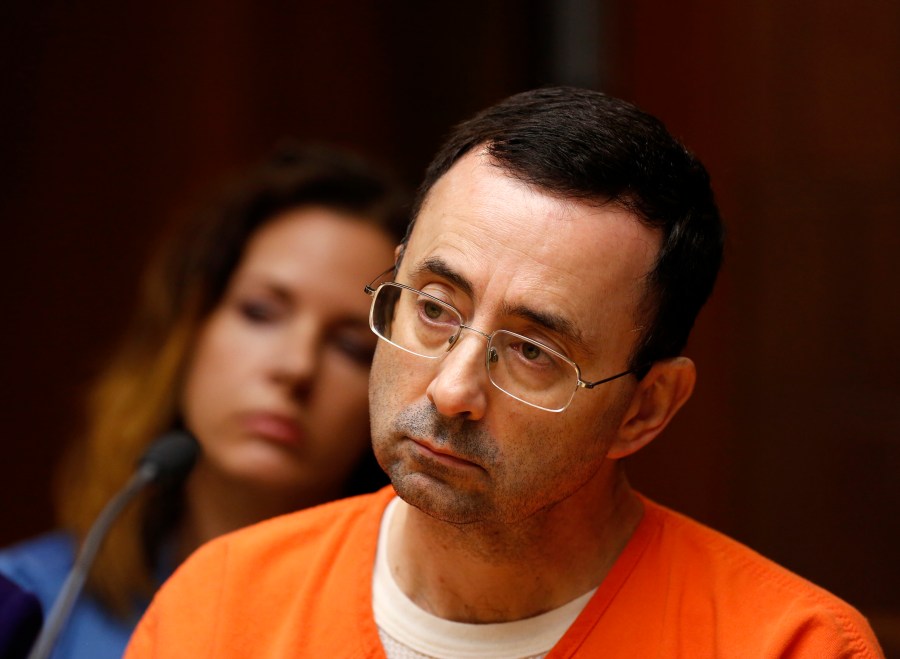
409,632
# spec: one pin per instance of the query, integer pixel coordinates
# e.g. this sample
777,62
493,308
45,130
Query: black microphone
167,461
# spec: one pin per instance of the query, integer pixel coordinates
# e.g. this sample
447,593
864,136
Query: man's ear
656,399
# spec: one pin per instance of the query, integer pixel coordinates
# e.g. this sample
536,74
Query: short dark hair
582,144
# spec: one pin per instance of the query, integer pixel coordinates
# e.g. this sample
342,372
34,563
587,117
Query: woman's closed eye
358,345
259,311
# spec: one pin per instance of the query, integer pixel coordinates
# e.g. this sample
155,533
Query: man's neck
482,573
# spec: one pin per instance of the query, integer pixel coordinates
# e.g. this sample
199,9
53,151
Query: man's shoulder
717,575
322,529
231,596
700,549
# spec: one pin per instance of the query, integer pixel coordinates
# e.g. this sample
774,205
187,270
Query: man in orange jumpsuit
531,328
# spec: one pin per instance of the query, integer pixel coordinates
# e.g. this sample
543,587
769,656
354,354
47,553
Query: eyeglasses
517,365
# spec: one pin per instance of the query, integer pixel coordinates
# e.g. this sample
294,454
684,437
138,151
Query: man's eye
531,351
433,310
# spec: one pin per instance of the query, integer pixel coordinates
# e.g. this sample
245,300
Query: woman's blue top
41,566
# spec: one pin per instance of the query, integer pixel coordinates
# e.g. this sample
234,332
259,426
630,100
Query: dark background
116,115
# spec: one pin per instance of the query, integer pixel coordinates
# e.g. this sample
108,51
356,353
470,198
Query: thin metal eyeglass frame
453,340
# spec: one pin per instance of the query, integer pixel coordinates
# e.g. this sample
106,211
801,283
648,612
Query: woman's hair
136,396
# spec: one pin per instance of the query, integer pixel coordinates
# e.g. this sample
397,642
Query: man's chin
439,499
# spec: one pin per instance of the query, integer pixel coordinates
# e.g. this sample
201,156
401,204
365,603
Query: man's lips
439,455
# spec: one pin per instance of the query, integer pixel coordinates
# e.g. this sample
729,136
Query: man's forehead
480,199
517,253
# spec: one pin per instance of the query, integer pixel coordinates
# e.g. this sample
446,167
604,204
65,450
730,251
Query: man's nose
459,387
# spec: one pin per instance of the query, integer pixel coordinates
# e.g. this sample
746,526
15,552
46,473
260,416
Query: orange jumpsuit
301,586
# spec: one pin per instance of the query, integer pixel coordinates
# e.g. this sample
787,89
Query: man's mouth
430,451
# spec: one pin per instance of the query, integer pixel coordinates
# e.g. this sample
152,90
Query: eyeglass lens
425,326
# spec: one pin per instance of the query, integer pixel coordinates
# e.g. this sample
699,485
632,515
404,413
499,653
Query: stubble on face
506,484
447,494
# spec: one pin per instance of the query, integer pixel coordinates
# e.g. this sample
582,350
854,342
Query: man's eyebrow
437,266
554,322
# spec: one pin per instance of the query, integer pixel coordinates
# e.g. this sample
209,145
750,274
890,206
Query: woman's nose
296,359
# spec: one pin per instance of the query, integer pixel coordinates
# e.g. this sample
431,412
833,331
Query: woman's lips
272,426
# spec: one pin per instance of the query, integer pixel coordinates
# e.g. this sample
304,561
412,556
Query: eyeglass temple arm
369,288
591,385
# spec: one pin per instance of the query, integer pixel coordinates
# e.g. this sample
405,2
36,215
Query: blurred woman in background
251,333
